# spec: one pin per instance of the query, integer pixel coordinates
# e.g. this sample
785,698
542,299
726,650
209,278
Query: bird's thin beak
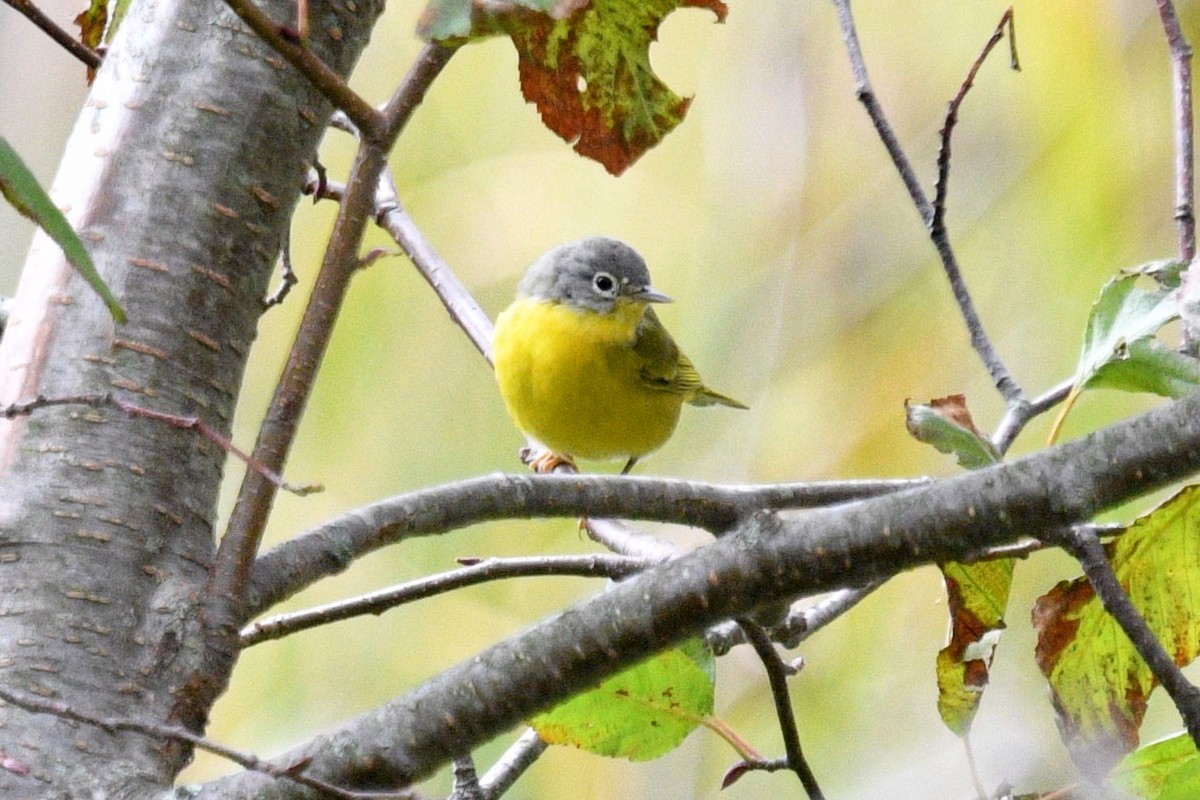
649,294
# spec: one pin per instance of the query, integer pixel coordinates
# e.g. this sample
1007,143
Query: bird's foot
544,462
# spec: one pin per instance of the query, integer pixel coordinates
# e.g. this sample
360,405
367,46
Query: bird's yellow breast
571,379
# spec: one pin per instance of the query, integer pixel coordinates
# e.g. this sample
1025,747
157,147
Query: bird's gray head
595,274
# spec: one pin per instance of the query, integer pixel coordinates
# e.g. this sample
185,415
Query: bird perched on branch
583,362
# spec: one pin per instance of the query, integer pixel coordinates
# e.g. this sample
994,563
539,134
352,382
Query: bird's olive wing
662,365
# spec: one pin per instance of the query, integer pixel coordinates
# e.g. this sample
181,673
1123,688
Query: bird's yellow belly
571,380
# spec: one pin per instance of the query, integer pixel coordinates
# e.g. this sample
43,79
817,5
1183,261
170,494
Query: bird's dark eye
604,283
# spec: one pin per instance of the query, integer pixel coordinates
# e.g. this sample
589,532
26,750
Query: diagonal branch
463,309
61,37
234,560
777,675
596,565
309,64
1084,545
154,730
931,214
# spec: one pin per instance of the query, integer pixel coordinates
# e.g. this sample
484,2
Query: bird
584,364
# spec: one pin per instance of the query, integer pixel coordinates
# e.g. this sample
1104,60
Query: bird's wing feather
665,368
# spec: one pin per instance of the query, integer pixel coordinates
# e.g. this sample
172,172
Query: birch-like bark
181,175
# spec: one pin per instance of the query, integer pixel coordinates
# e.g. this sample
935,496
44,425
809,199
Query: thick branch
768,557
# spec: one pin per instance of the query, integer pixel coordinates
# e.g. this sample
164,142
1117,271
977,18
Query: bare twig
777,675
183,422
1001,377
318,73
1020,413
287,276
321,189
466,780
465,312
1185,190
866,95
621,537
599,565
523,753
61,36
235,556
1085,546
399,109
294,772
799,624
930,215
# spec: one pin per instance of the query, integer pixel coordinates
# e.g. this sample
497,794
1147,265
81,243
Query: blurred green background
805,286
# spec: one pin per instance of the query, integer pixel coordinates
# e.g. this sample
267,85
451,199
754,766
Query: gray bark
181,175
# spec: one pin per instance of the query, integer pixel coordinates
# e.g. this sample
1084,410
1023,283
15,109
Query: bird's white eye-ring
605,284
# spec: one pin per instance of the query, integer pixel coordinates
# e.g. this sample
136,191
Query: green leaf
1150,366
641,712
1123,314
1099,684
1168,768
946,424
21,189
1122,317
586,65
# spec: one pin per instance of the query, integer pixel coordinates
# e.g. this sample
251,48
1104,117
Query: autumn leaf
1099,684
585,65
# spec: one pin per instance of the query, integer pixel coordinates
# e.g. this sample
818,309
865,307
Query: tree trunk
181,176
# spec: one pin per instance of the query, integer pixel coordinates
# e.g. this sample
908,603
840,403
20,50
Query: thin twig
621,537
866,95
324,80
1002,379
466,780
777,675
799,624
523,753
598,565
408,95
235,556
321,189
287,276
466,313
1083,543
293,772
1020,413
183,422
1185,190
61,36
